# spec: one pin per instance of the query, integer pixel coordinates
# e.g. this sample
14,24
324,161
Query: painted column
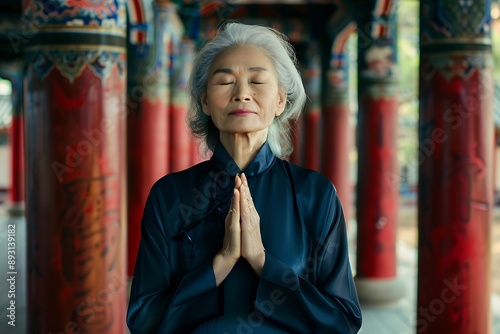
11,69
377,194
338,133
148,133
297,130
75,90
12,39
456,135
312,85
17,145
191,16
182,143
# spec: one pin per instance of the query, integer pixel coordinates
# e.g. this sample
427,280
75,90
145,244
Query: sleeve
156,305
331,304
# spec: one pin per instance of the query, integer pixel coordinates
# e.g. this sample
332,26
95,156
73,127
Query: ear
281,103
204,103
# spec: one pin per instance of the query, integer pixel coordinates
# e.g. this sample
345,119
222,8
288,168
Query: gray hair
281,53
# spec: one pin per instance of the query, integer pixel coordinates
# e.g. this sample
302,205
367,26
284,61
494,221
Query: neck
242,147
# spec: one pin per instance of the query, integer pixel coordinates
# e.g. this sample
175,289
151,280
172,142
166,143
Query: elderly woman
245,242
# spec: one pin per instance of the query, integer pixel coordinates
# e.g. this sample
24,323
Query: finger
232,236
236,195
237,182
236,205
243,202
246,201
246,193
234,208
244,179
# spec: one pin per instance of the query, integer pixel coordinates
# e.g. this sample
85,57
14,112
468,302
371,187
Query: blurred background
403,116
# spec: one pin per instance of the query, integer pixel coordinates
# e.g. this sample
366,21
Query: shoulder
317,200
178,183
169,193
308,180
182,178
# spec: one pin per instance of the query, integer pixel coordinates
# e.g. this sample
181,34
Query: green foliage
495,40
408,61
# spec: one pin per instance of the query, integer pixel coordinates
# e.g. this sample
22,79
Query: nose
242,93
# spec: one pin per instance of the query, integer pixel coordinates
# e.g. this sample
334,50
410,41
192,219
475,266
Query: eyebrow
230,71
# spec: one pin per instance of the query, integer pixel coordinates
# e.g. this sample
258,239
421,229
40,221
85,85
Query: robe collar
260,163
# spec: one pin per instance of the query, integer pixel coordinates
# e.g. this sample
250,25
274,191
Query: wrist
222,266
257,263
225,258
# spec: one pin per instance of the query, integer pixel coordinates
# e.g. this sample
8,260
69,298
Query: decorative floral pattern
71,63
89,13
446,19
457,66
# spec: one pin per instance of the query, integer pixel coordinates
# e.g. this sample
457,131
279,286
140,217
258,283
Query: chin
244,129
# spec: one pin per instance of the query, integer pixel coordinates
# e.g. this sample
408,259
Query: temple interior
403,116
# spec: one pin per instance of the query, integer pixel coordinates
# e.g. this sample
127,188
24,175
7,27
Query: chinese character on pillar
75,87
456,135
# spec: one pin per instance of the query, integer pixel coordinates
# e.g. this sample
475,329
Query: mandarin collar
261,162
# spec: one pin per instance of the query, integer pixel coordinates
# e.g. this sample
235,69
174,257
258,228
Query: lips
241,112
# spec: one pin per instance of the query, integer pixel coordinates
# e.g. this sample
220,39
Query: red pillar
297,130
16,196
337,133
377,197
75,166
148,130
455,174
312,83
181,142
16,137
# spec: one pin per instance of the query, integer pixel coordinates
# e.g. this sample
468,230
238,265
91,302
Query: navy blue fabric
306,284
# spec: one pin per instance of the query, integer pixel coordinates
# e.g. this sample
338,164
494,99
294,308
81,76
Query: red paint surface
311,140
75,202
16,194
147,160
455,203
378,188
337,142
297,137
180,139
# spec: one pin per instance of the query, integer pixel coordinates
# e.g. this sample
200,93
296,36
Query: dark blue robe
306,284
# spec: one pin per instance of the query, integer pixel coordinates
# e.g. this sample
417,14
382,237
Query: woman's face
243,95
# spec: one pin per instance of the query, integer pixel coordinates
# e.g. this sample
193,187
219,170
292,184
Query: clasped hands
242,233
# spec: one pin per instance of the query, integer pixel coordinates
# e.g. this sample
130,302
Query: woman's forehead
253,58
